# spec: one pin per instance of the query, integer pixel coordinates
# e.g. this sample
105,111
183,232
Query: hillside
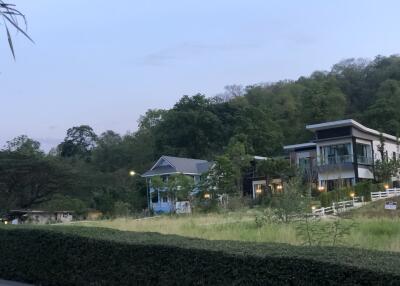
377,210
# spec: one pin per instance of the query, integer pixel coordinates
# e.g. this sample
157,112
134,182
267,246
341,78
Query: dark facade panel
333,132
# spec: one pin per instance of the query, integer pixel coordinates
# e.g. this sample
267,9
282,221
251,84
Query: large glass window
336,154
304,163
364,153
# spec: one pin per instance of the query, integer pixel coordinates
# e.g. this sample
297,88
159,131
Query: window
304,163
165,199
336,154
154,197
364,154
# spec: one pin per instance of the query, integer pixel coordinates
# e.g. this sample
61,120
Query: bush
364,189
328,198
93,256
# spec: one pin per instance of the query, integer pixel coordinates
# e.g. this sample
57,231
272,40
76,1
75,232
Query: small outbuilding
39,217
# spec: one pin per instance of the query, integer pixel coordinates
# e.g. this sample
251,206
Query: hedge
94,256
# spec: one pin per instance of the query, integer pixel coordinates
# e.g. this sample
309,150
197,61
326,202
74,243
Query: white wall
389,147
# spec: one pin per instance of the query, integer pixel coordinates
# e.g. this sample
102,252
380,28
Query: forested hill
268,116
91,171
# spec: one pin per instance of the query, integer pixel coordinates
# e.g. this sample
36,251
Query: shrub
92,256
121,209
364,189
328,198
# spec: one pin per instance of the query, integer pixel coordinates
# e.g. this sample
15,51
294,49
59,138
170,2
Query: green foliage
29,180
25,146
315,232
290,202
78,256
276,168
121,209
328,198
64,203
79,142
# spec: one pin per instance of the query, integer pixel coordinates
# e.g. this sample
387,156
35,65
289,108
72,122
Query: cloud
188,50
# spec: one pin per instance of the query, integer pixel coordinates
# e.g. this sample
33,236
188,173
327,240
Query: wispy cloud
188,50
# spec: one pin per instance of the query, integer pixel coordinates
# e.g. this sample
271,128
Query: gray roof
348,122
178,165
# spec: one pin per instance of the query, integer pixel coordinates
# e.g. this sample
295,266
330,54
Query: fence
385,194
338,207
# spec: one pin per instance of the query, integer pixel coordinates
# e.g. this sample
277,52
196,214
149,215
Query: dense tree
24,146
26,181
79,142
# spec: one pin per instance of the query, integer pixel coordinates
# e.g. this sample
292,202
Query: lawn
379,233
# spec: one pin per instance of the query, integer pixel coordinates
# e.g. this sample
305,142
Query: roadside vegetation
110,257
379,233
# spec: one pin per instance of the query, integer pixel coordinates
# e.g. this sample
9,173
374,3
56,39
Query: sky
104,63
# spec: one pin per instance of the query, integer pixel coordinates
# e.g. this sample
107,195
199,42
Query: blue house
158,200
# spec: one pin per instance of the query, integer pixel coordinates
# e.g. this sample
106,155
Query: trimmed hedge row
93,256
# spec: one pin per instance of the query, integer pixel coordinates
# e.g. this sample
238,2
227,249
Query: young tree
290,202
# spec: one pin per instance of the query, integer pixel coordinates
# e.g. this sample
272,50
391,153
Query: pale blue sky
103,65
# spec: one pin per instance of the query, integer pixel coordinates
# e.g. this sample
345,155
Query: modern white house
158,200
343,152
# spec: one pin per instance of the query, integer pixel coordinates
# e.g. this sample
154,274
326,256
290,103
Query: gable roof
172,165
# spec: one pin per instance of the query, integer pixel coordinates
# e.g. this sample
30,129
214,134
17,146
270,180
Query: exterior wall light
352,195
132,173
279,187
386,186
207,196
321,188
258,191
313,208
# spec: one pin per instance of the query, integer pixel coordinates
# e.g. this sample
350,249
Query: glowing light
207,196
352,195
258,190
6,222
313,207
279,187
321,188
132,173
386,186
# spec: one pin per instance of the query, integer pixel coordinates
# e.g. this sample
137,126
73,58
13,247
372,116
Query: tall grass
378,234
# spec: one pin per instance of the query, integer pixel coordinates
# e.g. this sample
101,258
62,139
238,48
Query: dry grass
378,234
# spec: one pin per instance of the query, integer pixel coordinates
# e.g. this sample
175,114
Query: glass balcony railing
364,160
333,160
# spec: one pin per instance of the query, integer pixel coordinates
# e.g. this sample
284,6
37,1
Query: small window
165,199
394,156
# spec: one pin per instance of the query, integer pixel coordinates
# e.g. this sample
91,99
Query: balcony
336,160
364,160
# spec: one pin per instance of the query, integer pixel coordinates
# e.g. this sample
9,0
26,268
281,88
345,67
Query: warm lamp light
279,187
132,173
321,188
313,207
386,186
258,191
352,195
207,196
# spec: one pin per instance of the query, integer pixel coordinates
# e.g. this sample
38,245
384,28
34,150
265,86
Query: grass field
380,233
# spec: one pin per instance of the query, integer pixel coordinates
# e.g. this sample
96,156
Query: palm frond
10,16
